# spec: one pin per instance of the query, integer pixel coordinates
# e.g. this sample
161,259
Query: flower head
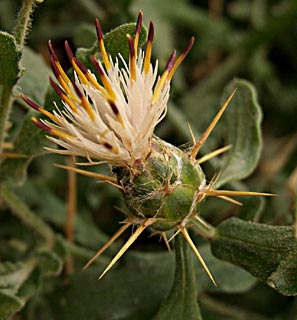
112,119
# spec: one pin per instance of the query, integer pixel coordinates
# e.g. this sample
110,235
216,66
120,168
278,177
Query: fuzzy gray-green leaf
9,304
115,43
229,278
267,252
34,82
241,121
132,291
12,277
181,302
9,60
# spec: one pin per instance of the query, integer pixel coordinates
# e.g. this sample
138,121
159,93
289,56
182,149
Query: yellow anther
148,50
86,105
147,58
160,86
80,74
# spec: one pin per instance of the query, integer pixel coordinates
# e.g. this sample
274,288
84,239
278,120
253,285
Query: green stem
20,31
295,215
23,23
5,106
181,302
23,212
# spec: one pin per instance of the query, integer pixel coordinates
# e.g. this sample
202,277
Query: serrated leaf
267,252
10,56
182,300
242,122
115,43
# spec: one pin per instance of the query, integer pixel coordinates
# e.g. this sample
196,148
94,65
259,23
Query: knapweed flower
111,117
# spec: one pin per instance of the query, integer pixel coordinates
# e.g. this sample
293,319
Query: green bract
165,186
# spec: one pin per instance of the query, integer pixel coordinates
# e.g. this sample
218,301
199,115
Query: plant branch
23,23
6,101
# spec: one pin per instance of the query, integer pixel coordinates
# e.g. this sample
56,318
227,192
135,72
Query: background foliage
252,40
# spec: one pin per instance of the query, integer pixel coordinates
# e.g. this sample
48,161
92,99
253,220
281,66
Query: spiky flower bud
165,185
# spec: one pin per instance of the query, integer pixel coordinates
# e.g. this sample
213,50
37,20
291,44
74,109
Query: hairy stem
6,101
6,96
295,214
181,302
23,23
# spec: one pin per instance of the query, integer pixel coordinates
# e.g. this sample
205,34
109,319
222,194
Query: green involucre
165,185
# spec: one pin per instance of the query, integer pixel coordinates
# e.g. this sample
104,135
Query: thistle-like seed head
111,115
